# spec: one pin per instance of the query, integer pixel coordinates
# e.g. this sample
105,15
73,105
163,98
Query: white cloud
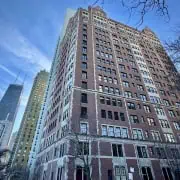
13,41
7,70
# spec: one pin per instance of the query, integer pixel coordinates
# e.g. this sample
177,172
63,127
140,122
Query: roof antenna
17,77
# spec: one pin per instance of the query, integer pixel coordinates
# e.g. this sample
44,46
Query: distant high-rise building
27,129
8,109
114,107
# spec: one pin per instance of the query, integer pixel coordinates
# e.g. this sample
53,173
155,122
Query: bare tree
142,7
81,151
173,47
170,154
11,173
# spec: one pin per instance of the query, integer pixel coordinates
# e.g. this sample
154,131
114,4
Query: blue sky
29,31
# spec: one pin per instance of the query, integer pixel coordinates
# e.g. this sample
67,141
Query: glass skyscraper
8,109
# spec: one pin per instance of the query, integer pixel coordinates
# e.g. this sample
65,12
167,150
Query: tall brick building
116,86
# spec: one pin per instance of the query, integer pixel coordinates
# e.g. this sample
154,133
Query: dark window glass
84,65
149,173
103,113
110,176
116,116
122,117
102,100
84,85
117,150
84,98
165,173
169,174
114,103
141,150
109,114
108,101
119,103
79,173
114,149
83,112
84,75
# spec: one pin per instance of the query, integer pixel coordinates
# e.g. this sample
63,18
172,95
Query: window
141,151
175,153
146,173
84,112
121,67
122,117
114,103
134,119
102,100
155,99
106,89
84,57
84,98
100,88
124,75
117,92
143,97
124,132
151,122
84,128
84,49
117,132
126,84
169,137
115,81
117,150
110,80
137,134
156,136
84,65
119,103
164,123
116,116
105,79
111,131
84,75
110,115
103,114
100,78
159,111
166,102
171,113
108,101
176,125
160,152
140,87
128,94
104,130
110,174
59,174
80,173
84,85
111,90
131,105
167,173
147,109
120,173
